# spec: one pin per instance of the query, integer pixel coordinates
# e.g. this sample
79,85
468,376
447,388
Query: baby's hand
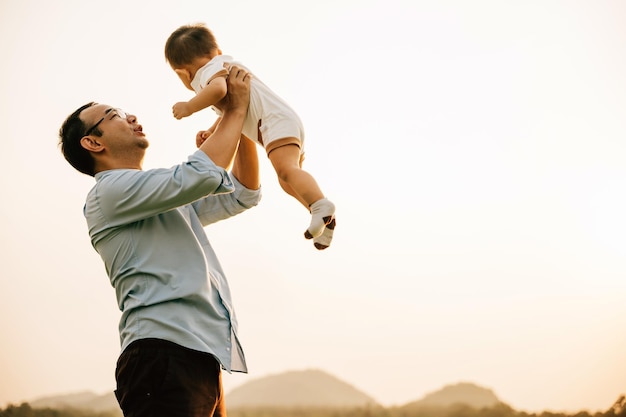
201,136
181,109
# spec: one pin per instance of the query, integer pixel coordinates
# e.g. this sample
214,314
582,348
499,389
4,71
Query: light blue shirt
148,228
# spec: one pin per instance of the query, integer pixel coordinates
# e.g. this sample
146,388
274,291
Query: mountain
309,388
81,400
461,393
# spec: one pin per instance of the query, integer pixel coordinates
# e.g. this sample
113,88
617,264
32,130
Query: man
178,326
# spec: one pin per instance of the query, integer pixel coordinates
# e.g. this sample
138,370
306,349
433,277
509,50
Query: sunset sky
476,152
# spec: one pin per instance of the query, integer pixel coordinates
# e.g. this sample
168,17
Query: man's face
120,131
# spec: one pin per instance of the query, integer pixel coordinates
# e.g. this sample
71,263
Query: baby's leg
286,162
300,184
287,188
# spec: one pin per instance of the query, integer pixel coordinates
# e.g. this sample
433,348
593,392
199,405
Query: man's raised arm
222,144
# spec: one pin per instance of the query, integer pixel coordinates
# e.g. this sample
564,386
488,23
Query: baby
194,55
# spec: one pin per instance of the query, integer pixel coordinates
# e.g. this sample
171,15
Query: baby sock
322,212
323,241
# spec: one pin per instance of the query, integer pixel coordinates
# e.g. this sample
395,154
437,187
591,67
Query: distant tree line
25,410
618,409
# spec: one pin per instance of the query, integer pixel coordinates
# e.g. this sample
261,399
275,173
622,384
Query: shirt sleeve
126,196
214,208
210,70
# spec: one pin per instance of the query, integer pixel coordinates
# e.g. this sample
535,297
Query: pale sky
475,151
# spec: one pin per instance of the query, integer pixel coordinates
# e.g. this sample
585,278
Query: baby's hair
187,43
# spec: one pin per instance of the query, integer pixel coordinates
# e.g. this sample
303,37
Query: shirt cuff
246,197
227,185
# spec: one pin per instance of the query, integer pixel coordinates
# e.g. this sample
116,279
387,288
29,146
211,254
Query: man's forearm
222,144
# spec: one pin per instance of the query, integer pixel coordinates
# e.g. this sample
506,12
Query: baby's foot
322,213
323,241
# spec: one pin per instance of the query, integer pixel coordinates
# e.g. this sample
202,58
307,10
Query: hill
309,388
81,400
461,393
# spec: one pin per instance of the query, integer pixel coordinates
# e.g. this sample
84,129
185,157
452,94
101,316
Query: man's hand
238,95
181,109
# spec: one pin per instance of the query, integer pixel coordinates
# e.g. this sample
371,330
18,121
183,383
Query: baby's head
190,47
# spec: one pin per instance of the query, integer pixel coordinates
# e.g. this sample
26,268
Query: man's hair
70,134
187,43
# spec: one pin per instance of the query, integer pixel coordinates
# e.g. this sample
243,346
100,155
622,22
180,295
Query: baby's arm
214,91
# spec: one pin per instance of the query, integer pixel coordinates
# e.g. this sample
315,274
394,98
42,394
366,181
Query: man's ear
91,143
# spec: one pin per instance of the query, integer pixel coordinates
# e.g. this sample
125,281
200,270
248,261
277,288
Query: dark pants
157,378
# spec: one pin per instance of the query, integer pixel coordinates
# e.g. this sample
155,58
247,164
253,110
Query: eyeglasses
121,113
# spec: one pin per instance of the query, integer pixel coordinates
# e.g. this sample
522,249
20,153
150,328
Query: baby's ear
184,74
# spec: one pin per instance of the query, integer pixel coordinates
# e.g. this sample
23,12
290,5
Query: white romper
269,120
